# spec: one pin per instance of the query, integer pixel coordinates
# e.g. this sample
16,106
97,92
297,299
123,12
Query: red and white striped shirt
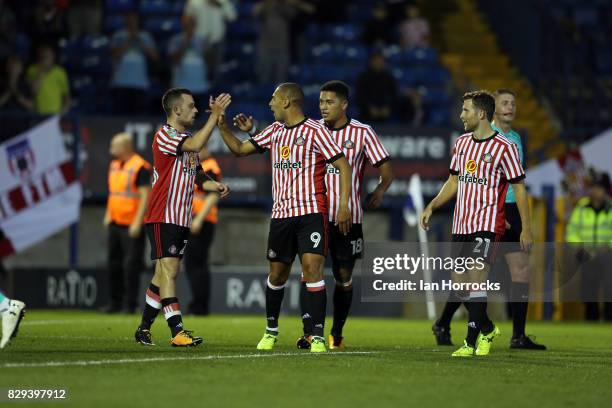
358,142
174,174
484,168
298,154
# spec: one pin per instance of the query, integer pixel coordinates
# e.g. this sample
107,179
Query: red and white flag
39,191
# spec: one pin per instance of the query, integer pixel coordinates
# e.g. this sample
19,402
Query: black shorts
167,240
297,235
477,245
512,234
345,249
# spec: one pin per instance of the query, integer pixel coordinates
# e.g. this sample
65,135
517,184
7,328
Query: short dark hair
293,92
504,91
340,88
171,97
482,100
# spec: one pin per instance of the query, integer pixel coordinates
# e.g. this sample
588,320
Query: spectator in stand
14,91
186,51
414,30
84,17
49,23
378,30
212,17
376,91
411,107
299,45
273,53
131,49
49,83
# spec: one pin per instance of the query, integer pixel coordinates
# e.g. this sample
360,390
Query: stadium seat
586,16
159,7
120,6
113,22
346,33
242,30
431,76
163,25
422,55
245,10
434,96
438,117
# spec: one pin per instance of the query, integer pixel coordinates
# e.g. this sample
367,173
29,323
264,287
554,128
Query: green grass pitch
389,363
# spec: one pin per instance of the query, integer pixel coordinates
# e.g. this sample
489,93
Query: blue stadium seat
346,33
586,16
323,53
95,43
163,25
242,30
406,77
316,34
422,55
120,6
438,117
161,7
357,55
114,22
431,76
245,10
434,96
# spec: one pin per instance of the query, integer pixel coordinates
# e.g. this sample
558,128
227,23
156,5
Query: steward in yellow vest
590,230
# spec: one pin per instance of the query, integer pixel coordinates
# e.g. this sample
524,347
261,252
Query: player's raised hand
425,218
343,220
220,103
244,123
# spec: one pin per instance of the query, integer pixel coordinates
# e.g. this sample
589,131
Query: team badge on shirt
348,144
173,250
487,158
300,141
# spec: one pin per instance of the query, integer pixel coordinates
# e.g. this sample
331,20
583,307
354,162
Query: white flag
39,191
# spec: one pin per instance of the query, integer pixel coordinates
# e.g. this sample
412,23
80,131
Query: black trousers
196,265
125,262
597,281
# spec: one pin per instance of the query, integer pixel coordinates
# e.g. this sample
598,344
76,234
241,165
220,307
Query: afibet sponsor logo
285,163
471,167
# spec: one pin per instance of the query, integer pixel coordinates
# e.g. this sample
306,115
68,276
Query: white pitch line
85,363
97,320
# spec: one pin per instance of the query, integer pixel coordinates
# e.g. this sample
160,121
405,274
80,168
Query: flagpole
416,193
